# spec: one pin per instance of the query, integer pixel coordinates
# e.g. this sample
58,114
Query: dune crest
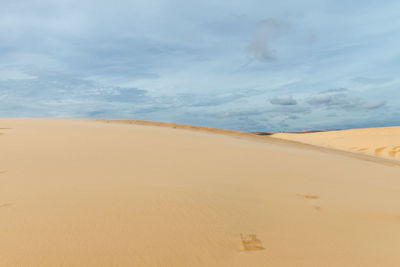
382,142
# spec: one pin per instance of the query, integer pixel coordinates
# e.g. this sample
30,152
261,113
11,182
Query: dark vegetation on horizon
299,132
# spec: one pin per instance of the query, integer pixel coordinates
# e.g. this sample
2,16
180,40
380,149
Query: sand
91,193
381,142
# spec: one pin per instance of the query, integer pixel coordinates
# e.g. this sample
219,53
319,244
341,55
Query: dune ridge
179,126
269,137
380,142
89,193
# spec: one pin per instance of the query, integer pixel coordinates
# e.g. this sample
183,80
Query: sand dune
381,142
89,193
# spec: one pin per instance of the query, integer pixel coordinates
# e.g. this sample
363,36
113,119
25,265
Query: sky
254,65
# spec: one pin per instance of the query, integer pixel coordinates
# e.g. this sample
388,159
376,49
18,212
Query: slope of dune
381,142
89,193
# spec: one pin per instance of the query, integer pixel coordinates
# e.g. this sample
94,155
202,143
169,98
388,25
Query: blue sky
254,65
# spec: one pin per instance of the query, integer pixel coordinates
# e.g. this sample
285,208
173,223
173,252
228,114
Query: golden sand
382,142
90,193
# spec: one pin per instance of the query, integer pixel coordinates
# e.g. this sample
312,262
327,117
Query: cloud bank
254,66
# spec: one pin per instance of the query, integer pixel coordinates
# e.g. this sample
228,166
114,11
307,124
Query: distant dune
381,142
123,193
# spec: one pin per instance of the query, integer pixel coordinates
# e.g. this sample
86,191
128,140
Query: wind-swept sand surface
90,193
381,142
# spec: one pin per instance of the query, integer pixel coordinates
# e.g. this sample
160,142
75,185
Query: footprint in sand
317,208
362,149
312,197
309,196
250,242
394,151
4,129
379,150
